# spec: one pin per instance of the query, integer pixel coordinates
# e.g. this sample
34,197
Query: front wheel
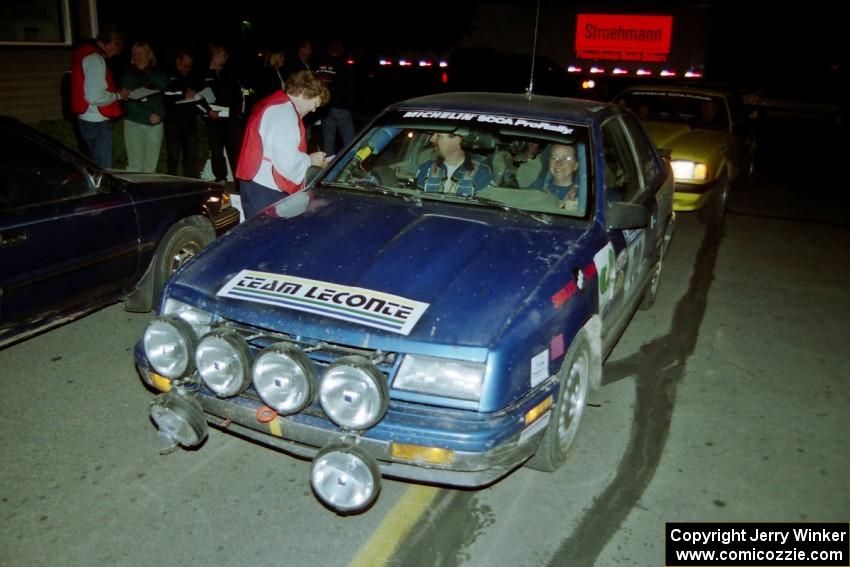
180,245
569,409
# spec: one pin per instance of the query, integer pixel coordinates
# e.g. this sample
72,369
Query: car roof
536,106
709,90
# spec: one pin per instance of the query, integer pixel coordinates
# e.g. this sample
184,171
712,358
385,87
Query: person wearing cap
454,170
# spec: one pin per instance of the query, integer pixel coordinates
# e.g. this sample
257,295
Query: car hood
472,268
146,184
687,142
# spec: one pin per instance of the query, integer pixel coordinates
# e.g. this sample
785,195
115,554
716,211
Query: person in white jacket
273,161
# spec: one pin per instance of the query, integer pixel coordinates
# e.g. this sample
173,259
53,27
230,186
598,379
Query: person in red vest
94,98
274,160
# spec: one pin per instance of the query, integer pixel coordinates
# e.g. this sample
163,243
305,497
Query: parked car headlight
169,344
687,170
285,378
440,377
223,359
354,393
199,319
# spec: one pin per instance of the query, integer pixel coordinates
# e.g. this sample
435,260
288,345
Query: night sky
746,41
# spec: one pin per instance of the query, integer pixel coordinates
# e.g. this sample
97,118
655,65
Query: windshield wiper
361,184
542,218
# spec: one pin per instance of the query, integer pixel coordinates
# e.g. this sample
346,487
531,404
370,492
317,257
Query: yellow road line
394,527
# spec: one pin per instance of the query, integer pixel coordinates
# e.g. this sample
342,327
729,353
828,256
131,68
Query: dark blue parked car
74,237
435,307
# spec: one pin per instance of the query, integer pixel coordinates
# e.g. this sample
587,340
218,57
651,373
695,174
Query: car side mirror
665,153
621,216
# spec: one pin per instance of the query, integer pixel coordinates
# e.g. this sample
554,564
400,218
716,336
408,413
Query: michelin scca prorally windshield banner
353,304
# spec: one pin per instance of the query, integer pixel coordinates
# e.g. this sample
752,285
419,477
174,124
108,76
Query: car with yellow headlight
710,138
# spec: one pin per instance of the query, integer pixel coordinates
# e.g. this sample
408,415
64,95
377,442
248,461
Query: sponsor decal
489,119
353,304
539,367
556,347
606,266
560,297
636,261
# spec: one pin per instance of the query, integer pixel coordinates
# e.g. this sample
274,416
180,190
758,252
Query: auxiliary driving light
345,479
179,419
223,359
169,343
285,378
354,393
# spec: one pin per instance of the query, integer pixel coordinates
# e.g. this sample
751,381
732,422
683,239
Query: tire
569,409
180,244
652,289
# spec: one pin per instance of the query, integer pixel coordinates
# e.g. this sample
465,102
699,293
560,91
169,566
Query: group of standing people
156,106
274,147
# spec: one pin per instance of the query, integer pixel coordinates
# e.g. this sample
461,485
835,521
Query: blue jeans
98,141
256,197
337,119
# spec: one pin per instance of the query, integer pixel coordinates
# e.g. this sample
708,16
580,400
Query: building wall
31,80
31,76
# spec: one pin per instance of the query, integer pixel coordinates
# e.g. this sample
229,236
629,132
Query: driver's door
624,266
63,244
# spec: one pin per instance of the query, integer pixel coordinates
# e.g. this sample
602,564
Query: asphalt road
728,401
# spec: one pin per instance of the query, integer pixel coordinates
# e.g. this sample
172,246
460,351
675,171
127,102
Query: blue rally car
436,306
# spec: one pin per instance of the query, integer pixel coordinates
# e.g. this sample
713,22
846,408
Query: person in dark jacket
143,128
182,113
224,120
339,78
272,78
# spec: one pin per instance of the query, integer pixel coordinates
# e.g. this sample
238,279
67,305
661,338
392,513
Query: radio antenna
530,90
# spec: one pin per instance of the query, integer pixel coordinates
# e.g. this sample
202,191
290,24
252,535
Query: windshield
477,160
699,111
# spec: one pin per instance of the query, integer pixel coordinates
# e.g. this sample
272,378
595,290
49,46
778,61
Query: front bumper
692,196
485,447
224,220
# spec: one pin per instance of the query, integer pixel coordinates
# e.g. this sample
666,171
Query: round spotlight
345,479
223,359
179,419
285,378
354,393
169,343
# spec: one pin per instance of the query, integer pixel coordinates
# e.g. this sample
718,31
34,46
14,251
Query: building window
35,22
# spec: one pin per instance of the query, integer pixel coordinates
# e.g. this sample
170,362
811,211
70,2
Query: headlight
354,393
440,377
169,343
285,378
198,318
687,170
345,479
223,359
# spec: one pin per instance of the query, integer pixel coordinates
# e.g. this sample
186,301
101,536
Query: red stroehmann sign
623,37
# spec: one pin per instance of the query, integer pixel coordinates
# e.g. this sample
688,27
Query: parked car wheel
569,409
180,245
